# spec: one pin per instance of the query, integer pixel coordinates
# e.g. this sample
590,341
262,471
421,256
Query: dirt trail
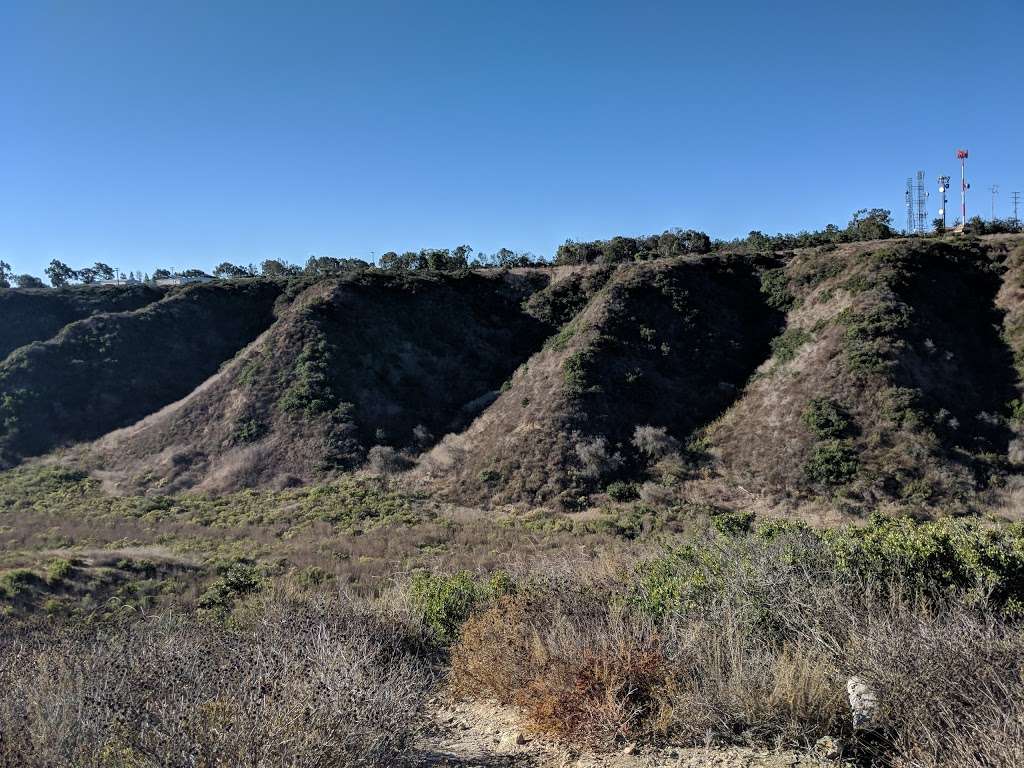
478,735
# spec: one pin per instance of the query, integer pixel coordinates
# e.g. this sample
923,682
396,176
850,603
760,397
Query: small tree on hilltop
28,281
60,274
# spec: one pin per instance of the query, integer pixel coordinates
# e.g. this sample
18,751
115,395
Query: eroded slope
371,359
664,344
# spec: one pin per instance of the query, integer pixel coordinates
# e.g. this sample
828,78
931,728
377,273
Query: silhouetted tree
28,281
60,274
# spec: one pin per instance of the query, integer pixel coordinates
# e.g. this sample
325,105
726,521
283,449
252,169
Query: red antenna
961,155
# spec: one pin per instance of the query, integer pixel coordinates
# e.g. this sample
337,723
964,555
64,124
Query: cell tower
909,197
943,188
994,189
922,205
961,155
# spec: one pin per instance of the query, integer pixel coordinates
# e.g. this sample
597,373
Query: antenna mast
943,187
994,189
961,155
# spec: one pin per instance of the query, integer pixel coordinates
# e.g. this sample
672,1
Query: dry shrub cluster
756,647
317,682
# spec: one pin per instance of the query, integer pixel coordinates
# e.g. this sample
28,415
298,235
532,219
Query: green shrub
832,463
236,579
826,418
732,522
58,569
313,576
775,287
446,601
622,491
489,476
249,431
786,345
16,581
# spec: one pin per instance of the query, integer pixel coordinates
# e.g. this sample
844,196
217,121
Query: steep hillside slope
664,344
111,369
369,359
890,383
37,315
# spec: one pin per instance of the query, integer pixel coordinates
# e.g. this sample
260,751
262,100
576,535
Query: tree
277,268
227,271
28,281
323,266
161,274
871,224
194,273
5,275
102,271
87,275
60,274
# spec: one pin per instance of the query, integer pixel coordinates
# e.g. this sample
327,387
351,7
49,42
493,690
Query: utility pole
994,189
1016,202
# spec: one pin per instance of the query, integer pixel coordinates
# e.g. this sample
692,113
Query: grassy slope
352,363
663,343
111,369
903,340
37,315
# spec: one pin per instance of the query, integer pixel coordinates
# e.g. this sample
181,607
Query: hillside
891,382
352,363
843,378
665,344
37,315
110,370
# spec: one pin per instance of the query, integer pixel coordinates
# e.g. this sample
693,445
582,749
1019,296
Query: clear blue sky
180,134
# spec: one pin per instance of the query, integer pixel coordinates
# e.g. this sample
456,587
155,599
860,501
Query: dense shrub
826,418
622,491
298,683
832,463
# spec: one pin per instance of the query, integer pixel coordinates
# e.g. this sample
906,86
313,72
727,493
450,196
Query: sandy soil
477,735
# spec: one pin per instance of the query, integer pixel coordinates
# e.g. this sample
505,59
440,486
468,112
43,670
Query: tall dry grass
317,682
762,655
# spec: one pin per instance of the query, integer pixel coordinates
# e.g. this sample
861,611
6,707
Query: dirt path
476,735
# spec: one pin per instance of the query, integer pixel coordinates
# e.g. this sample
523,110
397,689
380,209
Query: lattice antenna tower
909,198
921,204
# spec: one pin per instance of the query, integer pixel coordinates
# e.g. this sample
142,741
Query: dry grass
321,682
763,657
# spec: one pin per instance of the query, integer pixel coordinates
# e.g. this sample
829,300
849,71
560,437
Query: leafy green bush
775,287
832,463
622,491
58,569
733,523
826,418
236,579
446,601
785,346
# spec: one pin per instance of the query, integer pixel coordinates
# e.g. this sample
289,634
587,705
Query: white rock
863,702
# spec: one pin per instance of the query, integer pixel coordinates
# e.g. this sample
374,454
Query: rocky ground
476,735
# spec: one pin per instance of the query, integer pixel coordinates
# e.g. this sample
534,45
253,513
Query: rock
828,748
863,702
512,741
631,749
